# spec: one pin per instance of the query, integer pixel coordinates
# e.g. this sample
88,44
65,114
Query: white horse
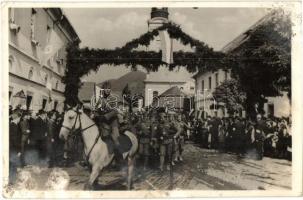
96,150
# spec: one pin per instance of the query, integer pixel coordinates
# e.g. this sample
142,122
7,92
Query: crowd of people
161,137
34,138
252,138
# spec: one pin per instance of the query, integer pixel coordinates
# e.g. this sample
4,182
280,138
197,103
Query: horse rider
106,116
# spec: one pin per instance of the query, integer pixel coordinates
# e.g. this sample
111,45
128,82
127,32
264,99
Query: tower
158,17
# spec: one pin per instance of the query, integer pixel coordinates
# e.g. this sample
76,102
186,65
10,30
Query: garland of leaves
80,61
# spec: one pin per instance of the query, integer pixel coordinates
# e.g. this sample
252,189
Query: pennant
166,47
53,46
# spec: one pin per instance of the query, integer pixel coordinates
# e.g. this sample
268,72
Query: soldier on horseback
106,116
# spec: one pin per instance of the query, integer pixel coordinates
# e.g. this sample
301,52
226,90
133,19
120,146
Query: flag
166,47
52,47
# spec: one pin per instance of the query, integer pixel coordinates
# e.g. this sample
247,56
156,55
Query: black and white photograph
150,99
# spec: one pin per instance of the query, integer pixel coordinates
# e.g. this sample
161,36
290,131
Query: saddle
124,141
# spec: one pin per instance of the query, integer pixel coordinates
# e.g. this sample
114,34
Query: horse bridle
80,127
82,130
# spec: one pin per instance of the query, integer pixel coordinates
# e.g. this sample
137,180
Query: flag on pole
52,47
166,47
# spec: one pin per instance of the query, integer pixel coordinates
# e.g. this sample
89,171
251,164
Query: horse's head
71,121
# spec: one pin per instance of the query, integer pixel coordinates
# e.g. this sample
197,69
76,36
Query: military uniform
165,139
180,127
106,118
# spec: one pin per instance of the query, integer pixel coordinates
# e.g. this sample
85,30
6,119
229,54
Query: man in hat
39,133
25,131
106,116
180,126
165,134
144,133
51,137
14,144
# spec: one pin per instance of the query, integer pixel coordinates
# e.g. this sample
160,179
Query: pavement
201,169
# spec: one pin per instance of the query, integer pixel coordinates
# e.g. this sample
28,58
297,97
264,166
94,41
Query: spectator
14,145
51,137
259,137
25,132
39,133
239,137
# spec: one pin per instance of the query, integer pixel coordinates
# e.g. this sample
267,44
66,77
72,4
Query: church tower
158,17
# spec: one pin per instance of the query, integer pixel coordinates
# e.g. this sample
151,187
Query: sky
108,28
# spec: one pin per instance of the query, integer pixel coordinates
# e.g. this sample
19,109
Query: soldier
181,126
165,134
106,117
144,133
154,143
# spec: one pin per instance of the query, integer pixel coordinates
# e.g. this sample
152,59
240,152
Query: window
30,73
28,101
48,33
209,83
226,75
12,15
33,21
271,109
44,101
217,79
10,93
46,79
55,105
11,63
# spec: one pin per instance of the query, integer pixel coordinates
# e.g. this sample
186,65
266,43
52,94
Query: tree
262,63
231,94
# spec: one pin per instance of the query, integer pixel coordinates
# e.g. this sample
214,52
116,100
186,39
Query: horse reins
82,130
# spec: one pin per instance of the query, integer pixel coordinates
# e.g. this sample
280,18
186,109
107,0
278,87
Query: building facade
158,82
206,82
209,80
37,56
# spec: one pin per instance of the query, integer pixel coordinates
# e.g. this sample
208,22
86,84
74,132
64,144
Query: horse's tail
134,142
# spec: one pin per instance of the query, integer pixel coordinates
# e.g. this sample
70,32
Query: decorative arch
80,61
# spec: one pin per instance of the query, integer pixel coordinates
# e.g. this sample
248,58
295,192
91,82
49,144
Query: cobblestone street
201,169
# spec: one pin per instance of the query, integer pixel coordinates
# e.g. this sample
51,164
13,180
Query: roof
178,75
239,40
64,21
120,83
235,43
173,92
86,91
